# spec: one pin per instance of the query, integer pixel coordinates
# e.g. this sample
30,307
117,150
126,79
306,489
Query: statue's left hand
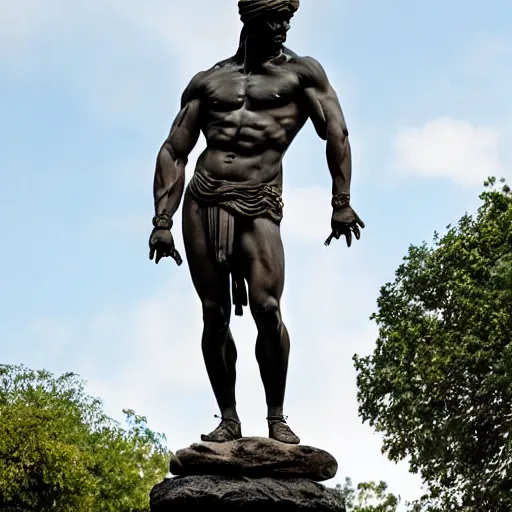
161,245
345,222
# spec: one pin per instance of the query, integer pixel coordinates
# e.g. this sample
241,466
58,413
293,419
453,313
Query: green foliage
59,451
367,497
439,383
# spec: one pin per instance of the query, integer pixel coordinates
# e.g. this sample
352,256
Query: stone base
254,457
242,494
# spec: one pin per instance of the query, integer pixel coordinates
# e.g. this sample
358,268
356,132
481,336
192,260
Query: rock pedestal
251,474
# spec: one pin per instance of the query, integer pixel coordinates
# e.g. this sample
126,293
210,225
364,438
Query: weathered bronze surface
249,107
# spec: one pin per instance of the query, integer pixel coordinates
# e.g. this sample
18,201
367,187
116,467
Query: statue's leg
212,285
263,260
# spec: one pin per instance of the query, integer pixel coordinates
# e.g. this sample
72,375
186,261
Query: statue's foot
280,431
228,430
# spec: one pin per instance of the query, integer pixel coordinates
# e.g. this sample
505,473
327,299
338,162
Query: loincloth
224,202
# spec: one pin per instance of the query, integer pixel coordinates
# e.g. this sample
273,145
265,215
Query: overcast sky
88,91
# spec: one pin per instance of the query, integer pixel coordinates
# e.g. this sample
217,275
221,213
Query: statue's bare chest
232,90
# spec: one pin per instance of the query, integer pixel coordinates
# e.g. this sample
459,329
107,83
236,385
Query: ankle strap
227,419
277,419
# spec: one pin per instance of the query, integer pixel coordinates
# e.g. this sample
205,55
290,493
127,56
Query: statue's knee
214,315
266,313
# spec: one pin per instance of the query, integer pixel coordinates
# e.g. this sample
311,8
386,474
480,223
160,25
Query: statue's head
267,21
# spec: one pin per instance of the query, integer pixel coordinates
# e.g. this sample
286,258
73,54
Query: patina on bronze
249,107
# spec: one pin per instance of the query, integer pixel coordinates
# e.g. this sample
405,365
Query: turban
250,9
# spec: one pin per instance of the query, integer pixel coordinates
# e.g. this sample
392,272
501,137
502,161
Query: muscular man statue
249,108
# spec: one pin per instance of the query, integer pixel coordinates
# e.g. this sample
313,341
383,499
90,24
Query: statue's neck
253,55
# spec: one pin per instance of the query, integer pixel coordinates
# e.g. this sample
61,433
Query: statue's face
271,28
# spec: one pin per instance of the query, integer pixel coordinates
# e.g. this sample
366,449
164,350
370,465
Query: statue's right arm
173,155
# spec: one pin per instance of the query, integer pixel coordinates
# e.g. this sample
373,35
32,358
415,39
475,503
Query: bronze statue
249,108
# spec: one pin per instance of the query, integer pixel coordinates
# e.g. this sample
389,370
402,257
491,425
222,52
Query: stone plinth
242,494
251,474
254,457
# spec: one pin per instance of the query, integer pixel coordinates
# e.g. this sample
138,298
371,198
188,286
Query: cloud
448,148
199,37
115,57
20,24
307,214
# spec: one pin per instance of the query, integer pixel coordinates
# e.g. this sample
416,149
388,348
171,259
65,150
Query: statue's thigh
262,251
210,279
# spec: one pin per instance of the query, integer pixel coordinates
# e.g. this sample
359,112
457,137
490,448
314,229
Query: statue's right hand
161,245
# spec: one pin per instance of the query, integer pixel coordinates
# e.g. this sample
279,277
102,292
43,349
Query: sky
88,91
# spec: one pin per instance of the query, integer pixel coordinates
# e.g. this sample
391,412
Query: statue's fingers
360,222
159,255
177,257
348,235
151,253
357,232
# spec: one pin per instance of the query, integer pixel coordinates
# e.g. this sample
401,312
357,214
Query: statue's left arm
327,116
169,178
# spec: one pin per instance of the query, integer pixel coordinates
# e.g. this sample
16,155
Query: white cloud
20,21
116,56
307,214
449,148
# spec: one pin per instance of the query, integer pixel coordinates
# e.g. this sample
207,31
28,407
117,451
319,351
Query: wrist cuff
340,200
163,221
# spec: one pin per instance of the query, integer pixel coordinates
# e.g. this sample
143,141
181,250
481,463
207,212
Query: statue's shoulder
194,88
224,64
198,82
308,69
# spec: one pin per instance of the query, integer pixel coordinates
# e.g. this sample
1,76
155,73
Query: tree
367,497
439,383
59,451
